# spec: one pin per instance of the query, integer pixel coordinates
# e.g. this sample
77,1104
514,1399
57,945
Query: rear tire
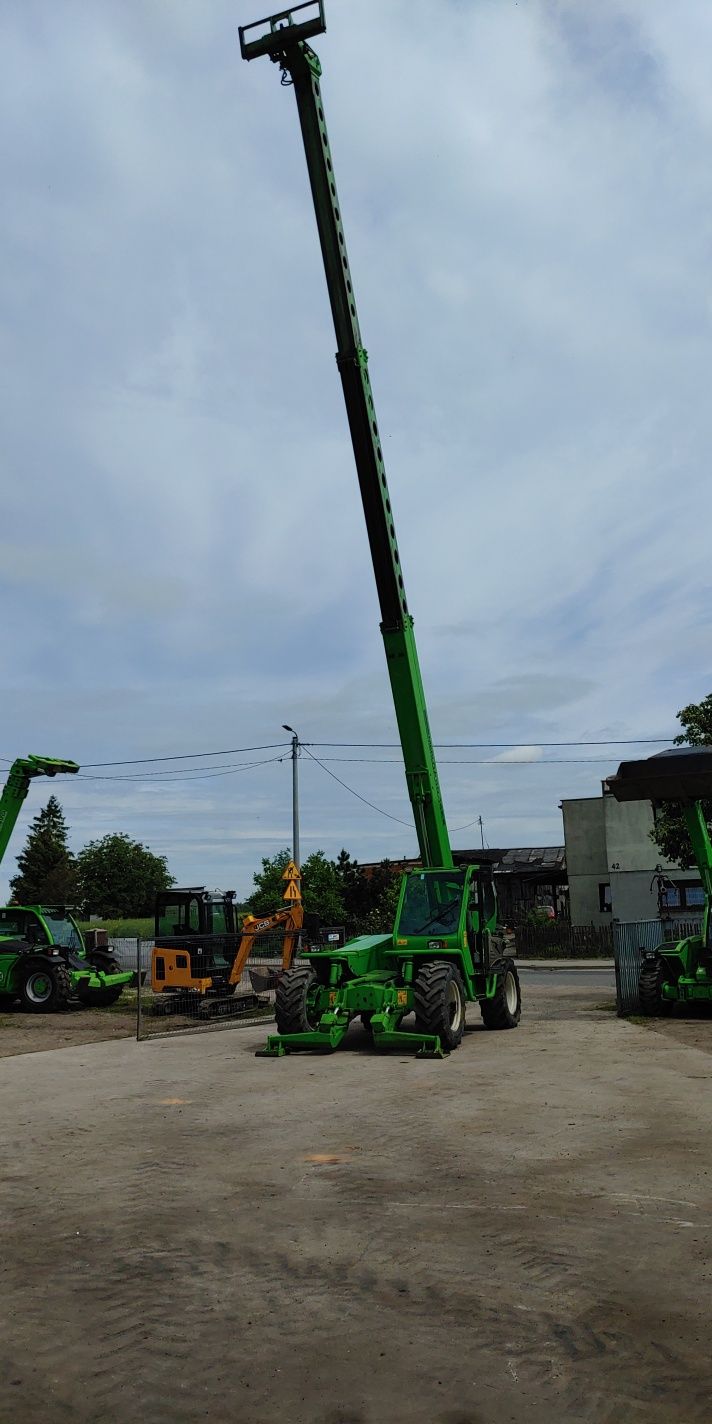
100,998
440,1002
653,975
45,985
505,1009
293,1011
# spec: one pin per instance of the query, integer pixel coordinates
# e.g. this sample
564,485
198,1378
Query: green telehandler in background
43,958
442,951
679,971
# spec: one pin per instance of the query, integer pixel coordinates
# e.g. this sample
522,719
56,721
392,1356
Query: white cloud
185,562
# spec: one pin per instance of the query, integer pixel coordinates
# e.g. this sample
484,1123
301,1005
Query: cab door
481,916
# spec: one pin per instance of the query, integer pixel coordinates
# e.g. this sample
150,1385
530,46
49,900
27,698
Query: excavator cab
195,942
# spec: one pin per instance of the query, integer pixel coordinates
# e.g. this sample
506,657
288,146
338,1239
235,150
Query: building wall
586,858
609,843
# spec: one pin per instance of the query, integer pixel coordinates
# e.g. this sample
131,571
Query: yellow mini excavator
200,953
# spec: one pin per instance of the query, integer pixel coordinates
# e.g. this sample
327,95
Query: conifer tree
46,868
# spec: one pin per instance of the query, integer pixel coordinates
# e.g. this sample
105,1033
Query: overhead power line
533,742
357,794
186,756
481,761
369,746
166,778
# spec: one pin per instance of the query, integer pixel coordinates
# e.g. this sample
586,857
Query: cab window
219,925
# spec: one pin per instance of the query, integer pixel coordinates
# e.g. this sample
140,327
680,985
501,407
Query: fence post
138,989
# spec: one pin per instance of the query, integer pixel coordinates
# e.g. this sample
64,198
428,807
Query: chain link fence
631,942
184,988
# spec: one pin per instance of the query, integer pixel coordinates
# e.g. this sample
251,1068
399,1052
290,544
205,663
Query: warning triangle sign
292,872
292,891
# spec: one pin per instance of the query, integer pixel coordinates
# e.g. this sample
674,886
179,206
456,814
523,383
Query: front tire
45,985
653,975
100,998
505,1009
295,1010
440,1002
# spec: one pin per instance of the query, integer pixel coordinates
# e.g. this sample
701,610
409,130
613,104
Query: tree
369,900
118,877
46,867
670,834
321,888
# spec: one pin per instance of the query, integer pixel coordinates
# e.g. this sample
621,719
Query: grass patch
120,929
608,1008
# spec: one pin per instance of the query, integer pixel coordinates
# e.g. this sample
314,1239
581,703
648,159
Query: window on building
694,897
682,895
672,897
604,899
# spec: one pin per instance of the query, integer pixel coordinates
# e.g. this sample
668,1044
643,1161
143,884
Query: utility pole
482,831
295,795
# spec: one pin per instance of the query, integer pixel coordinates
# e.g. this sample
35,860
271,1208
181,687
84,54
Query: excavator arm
17,786
291,919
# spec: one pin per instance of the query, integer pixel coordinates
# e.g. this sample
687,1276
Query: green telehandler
43,958
442,951
679,971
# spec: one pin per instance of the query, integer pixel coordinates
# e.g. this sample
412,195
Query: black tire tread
652,977
62,983
431,1015
291,1000
495,1014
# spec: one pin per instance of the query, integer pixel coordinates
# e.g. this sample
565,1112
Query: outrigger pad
680,774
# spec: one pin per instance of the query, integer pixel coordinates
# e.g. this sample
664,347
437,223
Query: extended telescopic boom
17,786
284,38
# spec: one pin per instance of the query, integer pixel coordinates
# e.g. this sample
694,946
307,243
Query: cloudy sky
184,566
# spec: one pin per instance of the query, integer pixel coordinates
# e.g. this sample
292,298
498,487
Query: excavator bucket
263,980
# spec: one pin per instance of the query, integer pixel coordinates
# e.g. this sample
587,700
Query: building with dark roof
526,877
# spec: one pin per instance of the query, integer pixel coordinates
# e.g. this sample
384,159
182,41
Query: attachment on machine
440,953
678,971
200,953
273,41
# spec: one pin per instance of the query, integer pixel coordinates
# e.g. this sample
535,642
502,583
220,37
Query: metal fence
560,940
161,1013
631,941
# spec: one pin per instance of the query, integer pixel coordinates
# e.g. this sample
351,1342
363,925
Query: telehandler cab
441,952
679,971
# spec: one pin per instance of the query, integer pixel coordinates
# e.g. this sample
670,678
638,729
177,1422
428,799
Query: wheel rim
454,1005
39,988
510,992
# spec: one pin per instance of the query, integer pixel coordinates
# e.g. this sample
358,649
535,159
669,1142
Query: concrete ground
519,1233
